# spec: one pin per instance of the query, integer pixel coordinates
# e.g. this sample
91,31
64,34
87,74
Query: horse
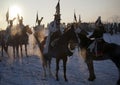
109,51
24,38
19,39
2,41
60,50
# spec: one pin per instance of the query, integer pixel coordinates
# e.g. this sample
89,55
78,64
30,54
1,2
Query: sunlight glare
14,11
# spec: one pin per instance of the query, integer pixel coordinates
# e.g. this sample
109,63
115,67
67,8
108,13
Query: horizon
87,9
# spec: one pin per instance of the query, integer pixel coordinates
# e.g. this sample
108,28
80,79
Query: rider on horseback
98,22
96,46
54,33
20,26
99,30
21,31
9,31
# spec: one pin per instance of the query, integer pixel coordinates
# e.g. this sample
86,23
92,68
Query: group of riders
98,33
12,30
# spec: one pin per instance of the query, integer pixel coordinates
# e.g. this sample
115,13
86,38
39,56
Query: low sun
14,11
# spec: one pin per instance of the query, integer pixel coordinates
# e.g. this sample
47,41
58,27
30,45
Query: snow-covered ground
29,71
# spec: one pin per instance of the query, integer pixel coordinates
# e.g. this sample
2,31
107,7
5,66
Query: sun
14,11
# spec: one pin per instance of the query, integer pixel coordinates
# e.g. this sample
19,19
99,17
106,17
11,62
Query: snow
29,71
112,38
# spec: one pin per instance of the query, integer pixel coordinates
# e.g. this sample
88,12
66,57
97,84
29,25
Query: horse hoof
118,82
91,78
57,79
66,80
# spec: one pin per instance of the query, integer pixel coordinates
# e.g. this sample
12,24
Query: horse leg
91,70
26,50
21,50
17,49
49,64
89,63
118,82
2,50
57,68
117,63
14,51
2,54
64,67
44,64
6,49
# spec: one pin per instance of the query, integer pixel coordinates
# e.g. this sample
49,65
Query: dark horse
2,41
109,51
19,39
61,50
23,38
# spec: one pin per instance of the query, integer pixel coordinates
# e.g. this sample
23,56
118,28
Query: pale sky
88,9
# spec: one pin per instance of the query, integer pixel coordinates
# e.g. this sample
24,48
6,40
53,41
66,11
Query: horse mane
84,40
66,36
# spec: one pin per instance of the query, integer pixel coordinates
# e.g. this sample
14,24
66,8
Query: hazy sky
88,9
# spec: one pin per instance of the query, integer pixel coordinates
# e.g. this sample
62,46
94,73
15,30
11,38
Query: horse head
67,41
84,41
28,29
71,35
71,38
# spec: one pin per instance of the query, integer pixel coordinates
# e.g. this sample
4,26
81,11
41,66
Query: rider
38,27
98,22
21,31
21,25
9,30
53,35
99,30
98,35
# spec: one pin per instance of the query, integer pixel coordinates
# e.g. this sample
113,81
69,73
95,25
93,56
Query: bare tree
115,19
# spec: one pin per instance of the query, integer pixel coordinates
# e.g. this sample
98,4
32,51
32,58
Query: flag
75,17
37,17
58,7
7,16
79,19
18,17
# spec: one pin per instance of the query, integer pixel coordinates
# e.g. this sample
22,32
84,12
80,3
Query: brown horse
60,50
2,41
19,39
24,38
109,51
